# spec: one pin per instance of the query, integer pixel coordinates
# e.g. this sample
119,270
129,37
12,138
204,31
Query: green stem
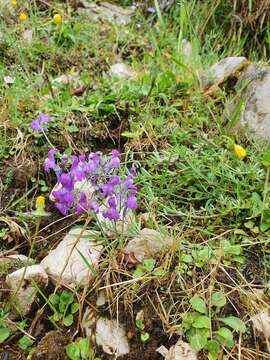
265,191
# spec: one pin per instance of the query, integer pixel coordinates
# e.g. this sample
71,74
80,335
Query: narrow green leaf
4,334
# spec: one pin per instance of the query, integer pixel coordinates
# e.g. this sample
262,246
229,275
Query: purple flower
132,202
40,124
50,162
108,188
66,181
102,175
35,126
111,214
115,161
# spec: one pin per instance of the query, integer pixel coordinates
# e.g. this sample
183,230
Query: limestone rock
146,244
75,258
222,70
23,292
255,115
106,11
181,351
261,322
112,337
27,36
123,71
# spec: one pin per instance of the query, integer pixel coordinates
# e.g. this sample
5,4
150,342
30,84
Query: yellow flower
23,17
57,19
13,3
40,203
239,151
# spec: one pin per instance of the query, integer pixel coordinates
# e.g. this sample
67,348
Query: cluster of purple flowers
40,124
92,182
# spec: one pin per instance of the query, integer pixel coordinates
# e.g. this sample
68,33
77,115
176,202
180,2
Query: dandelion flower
23,17
13,3
239,151
57,19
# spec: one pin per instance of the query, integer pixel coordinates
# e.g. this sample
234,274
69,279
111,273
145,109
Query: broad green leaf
84,348
218,299
54,299
68,320
138,272
56,316
234,322
25,342
66,297
213,347
202,322
198,304
144,336
198,338
75,307
149,264
140,324
4,334
226,335
73,351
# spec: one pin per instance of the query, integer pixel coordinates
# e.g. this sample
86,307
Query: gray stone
111,335
255,114
221,71
23,286
106,11
123,71
181,351
146,244
261,322
75,259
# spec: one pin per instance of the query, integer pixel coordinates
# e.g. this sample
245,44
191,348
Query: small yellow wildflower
13,3
239,151
23,17
40,202
57,19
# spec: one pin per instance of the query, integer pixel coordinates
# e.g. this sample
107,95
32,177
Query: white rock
255,115
24,296
261,322
106,11
67,79
146,244
112,337
221,71
75,258
27,35
181,351
123,71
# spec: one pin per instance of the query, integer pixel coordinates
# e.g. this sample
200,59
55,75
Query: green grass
214,205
